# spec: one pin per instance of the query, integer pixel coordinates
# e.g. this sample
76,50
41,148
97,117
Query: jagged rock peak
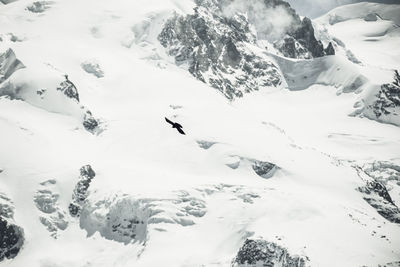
218,51
277,22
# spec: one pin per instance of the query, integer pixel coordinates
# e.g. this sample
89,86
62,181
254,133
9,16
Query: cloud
271,23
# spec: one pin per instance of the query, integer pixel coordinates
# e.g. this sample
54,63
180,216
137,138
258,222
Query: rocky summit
219,51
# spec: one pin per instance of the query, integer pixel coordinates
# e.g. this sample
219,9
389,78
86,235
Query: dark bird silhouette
176,126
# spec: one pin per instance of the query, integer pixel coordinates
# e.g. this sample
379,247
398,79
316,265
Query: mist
316,8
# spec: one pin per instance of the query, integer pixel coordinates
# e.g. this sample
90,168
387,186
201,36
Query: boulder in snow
260,252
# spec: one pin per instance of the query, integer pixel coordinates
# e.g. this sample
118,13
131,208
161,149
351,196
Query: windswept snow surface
193,200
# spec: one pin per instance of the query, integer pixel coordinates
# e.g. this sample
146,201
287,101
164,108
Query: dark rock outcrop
375,192
80,191
90,123
263,168
218,51
378,197
263,253
11,235
300,42
388,98
9,64
329,50
69,89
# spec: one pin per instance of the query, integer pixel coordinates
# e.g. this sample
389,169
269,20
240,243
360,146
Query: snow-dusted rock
81,190
69,89
264,169
378,197
218,51
387,102
260,252
376,193
127,219
39,6
93,68
52,216
9,64
11,235
43,89
205,144
300,42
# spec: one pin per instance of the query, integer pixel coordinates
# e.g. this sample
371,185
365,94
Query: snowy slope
153,197
375,34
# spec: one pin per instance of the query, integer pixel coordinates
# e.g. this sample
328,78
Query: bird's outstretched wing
167,120
180,130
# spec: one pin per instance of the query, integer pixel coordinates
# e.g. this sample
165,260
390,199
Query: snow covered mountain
292,149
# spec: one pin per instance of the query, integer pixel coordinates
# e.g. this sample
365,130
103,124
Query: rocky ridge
11,235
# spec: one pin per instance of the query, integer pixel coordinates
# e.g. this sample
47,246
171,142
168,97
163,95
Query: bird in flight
176,126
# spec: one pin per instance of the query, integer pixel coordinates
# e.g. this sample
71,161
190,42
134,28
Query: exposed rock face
218,51
39,6
264,169
300,42
11,235
80,191
263,253
388,98
9,64
52,216
376,193
69,89
90,123
219,44
378,197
